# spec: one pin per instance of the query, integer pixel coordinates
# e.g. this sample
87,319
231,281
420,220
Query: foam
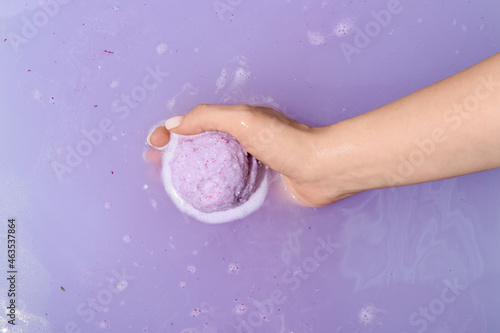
254,201
316,38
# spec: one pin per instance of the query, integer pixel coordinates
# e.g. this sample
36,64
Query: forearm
448,129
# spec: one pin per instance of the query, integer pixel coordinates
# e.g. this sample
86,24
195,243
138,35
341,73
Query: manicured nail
148,139
173,122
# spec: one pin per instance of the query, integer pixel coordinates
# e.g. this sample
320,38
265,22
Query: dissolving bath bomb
212,177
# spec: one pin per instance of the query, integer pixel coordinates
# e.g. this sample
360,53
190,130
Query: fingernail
148,139
173,122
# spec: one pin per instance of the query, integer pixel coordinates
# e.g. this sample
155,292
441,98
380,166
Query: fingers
159,137
203,118
206,117
152,156
276,140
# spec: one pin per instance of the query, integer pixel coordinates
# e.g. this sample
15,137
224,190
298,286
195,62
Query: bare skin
448,129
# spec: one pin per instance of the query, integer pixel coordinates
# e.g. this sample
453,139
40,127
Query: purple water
101,247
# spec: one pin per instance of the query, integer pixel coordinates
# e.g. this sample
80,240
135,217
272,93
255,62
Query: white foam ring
253,203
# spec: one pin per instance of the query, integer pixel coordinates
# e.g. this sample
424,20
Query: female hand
279,142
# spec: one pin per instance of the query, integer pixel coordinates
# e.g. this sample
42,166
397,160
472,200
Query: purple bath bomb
213,172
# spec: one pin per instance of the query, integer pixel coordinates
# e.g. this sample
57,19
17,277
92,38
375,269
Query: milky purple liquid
420,258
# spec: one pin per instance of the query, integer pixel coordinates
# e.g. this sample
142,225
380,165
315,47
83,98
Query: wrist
347,162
